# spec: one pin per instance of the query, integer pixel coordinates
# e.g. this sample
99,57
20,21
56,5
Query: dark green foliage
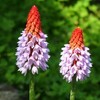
59,18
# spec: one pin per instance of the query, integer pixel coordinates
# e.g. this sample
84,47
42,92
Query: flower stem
72,92
31,90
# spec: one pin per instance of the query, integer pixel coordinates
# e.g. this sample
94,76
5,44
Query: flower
75,58
32,51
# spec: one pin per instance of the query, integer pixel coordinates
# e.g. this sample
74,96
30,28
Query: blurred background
59,18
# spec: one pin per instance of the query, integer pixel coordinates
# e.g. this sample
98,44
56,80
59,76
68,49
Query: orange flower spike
33,24
32,51
75,58
76,40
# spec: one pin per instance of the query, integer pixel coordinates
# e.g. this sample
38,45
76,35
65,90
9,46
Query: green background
59,18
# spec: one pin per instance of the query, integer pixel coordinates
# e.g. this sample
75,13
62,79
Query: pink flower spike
32,51
75,58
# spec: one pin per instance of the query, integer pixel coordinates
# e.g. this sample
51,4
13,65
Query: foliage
58,18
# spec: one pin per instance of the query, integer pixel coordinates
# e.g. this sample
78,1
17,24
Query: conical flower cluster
32,51
75,58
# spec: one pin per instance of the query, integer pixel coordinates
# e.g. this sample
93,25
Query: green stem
31,90
72,92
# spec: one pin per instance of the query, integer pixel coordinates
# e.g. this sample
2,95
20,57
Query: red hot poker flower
32,51
75,59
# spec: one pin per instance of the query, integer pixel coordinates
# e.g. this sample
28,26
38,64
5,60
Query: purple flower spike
32,51
75,58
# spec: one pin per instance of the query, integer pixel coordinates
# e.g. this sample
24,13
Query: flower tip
76,40
78,30
34,7
33,24
78,27
32,10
